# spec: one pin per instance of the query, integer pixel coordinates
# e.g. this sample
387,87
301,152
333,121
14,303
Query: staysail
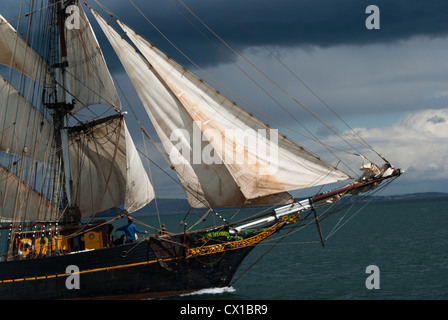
234,172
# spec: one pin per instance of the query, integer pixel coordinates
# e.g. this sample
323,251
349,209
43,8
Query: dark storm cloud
283,23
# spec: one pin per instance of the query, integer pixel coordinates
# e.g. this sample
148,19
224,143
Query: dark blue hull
149,269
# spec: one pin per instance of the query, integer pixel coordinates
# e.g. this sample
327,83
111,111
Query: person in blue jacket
130,230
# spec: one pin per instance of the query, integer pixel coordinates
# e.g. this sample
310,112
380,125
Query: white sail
88,75
23,130
139,191
292,167
106,169
19,202
16,53
179,104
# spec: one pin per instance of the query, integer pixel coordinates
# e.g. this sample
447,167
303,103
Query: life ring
25,247
41,246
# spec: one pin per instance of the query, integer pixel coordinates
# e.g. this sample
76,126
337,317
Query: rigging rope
29,13
152,183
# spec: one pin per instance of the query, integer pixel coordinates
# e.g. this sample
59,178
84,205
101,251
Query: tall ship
67,154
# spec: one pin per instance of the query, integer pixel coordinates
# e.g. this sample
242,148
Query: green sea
407,240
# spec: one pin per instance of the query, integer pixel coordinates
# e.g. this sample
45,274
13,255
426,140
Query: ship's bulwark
127,271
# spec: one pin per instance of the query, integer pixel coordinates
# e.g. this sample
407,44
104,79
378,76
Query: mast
61,110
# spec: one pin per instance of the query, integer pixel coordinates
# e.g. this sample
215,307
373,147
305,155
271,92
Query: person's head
129,219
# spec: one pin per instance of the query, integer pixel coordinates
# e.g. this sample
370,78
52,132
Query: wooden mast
61,113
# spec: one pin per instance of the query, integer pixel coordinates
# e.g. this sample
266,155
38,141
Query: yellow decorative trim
216,248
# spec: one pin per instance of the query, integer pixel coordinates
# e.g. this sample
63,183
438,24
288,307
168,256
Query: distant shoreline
169,206
413,196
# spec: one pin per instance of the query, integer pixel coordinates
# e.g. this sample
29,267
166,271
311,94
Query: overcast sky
391,84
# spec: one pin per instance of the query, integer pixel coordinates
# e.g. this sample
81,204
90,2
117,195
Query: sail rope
99,95
376,192
33,11
152,182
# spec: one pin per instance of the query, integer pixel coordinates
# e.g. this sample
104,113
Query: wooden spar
319,229
350,188
307,204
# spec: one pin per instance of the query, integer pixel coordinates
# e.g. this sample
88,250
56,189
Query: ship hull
149,269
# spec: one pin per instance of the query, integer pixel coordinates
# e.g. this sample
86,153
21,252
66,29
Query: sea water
406,240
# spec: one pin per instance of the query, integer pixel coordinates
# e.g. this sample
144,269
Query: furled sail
23,130
19,202
233,172
16,53
88,75
106,169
